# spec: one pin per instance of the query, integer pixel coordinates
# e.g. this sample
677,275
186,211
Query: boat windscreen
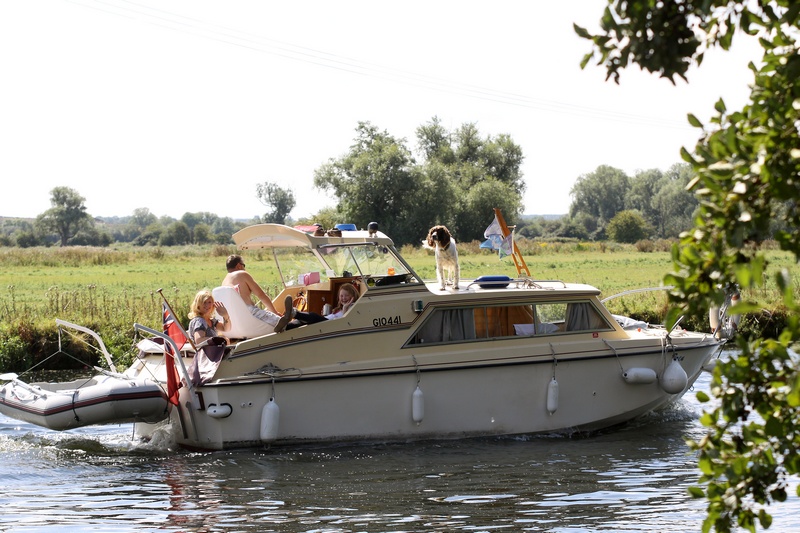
362,260
294,263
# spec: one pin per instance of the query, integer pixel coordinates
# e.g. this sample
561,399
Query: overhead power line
194,26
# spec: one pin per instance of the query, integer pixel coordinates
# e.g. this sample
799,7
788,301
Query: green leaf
686,156
773,427
581,31
792,14
793,398
708,420
694,121
705,466
696,492
765,519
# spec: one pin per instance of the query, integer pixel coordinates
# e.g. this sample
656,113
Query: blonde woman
203,324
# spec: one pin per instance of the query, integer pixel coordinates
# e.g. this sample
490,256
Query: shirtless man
240,279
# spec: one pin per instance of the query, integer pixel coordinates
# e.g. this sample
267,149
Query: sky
186,105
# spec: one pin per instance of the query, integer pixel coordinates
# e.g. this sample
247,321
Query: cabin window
519,320
447,325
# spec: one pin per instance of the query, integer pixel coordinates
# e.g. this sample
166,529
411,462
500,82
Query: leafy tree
150,236
747,166
327,217
67,215
223,228
436,182
223,225
662,199
281,201
91,236
435,142
380,180
628,226
191,219
376,180
600,194
502,160
201,234
458,162
203,217
673,206
29,238
469,158
142,217
176,233
468,144
199,225
641,190
479,200
582,227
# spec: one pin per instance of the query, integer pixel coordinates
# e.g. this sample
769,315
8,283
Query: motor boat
492,356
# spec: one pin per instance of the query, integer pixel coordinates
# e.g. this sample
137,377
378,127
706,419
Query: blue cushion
493,282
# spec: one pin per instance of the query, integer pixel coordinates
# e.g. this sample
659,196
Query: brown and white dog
444,245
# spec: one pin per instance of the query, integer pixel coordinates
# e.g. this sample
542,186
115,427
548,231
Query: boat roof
280,236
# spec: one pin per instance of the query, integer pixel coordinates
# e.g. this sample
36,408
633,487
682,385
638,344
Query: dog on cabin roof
444,245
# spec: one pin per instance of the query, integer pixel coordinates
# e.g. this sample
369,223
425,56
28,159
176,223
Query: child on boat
348,294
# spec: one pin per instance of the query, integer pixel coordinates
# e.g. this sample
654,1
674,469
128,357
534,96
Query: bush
627,226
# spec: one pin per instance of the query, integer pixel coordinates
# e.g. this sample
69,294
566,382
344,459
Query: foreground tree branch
747,165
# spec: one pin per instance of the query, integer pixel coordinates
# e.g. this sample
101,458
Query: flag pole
175,318
519,262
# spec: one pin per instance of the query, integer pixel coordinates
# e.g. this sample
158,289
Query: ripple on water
96,479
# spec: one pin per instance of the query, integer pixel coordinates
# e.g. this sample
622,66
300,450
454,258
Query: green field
108,289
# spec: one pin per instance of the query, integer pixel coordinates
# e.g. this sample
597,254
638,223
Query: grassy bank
108,289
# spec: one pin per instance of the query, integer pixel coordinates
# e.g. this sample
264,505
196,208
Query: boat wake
111,440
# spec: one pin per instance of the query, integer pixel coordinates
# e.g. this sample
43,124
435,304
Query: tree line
607,204
67,223
453,177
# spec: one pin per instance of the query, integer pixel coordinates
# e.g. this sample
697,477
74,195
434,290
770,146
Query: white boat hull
480,400
96,401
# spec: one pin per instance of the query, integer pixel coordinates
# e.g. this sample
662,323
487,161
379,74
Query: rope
615,354
74,412
555,360
271,370
43,361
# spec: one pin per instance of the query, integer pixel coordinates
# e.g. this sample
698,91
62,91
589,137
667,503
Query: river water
633,478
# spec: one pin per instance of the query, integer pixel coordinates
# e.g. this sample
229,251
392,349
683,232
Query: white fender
552,396
713,318
270,416
639,376
674,379
417,406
